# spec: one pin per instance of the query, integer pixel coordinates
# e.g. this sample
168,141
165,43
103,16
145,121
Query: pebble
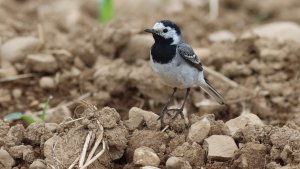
38,164
47,83
16,49
41,63
145,156
220,147
5,159
199,131
241,121
177,163
17,93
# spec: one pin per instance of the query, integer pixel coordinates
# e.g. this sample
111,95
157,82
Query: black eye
165,30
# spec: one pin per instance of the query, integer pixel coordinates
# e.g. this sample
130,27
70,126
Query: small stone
16,49
17,93
5,159
137,116
41,63
38,164
241,121
221,36
145,156
47,83
177,163
220,147
199,131
149,167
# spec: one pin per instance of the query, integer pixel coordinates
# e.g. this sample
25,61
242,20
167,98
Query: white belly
177,75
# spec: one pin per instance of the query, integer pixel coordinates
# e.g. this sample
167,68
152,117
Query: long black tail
212,92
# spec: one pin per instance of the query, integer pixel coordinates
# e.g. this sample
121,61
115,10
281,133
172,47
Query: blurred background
97,51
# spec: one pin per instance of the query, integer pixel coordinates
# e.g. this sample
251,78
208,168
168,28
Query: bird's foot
161,117
178,112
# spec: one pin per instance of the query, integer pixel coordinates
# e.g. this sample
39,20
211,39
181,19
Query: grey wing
187,53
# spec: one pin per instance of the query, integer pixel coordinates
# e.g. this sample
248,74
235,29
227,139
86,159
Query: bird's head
165,32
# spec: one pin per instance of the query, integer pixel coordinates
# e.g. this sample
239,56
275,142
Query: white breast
177,73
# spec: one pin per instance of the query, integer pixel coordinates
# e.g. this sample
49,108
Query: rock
220,147
41,63
47,83
17,93
149,167
283,31
199,131
38,164
241,121
137,116
16,49
131,52
6,161
145,156
250,156
221,36
193,153
177,163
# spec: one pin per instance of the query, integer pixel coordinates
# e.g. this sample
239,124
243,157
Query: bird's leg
180,111
165,109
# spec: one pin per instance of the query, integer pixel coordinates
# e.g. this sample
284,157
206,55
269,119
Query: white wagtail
176,64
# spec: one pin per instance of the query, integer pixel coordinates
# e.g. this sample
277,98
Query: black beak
150,30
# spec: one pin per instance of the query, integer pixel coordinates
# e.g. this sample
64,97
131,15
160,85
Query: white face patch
170,33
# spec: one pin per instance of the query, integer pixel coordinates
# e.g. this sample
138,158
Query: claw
178,112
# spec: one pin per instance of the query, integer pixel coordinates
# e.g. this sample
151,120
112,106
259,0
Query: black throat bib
162,51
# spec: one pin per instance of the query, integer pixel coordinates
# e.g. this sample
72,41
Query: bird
176,65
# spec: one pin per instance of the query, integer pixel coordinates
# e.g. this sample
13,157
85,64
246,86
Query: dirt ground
64,51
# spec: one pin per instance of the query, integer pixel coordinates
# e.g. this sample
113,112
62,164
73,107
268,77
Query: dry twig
17,77
95,157
84,150
97,143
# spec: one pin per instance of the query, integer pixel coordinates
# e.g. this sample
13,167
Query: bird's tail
212,92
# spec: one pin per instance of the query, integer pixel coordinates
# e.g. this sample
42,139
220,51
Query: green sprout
106,10
27,118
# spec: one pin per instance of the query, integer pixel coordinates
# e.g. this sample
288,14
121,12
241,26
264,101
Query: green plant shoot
18,116
45,109
106,10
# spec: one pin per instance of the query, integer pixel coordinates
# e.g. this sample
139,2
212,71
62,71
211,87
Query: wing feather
188,54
